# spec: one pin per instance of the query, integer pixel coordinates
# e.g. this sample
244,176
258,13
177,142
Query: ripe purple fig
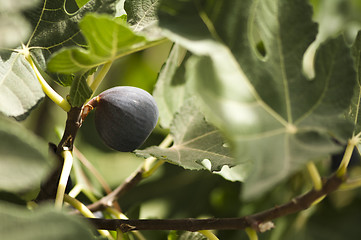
124,117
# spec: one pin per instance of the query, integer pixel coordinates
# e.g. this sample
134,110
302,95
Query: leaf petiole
316,179
49,91
315,176
100,76
342,169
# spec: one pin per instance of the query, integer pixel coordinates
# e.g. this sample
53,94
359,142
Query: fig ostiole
124,117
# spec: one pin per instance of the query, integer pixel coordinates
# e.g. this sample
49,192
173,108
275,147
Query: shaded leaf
275,118
20,90
43,223
194,141
107,38
11,198
79,91
24,158
170,91
354,113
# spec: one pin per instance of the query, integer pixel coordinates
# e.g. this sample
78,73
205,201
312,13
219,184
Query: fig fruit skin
125,116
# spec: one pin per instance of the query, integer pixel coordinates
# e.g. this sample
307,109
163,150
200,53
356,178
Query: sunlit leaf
79,91
20,90
54,27
107,38
194,141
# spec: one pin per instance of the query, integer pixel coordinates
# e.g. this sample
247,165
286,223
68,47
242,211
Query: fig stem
68,163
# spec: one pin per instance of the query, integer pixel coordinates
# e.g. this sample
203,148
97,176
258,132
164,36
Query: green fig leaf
171,90
194,141
107,38
250,81
142,16
24,158
20,90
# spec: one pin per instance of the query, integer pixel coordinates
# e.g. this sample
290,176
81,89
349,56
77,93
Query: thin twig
92,169
95,173
108,200
142,172
254,221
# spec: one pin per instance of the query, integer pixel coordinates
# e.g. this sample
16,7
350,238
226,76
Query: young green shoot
68,163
